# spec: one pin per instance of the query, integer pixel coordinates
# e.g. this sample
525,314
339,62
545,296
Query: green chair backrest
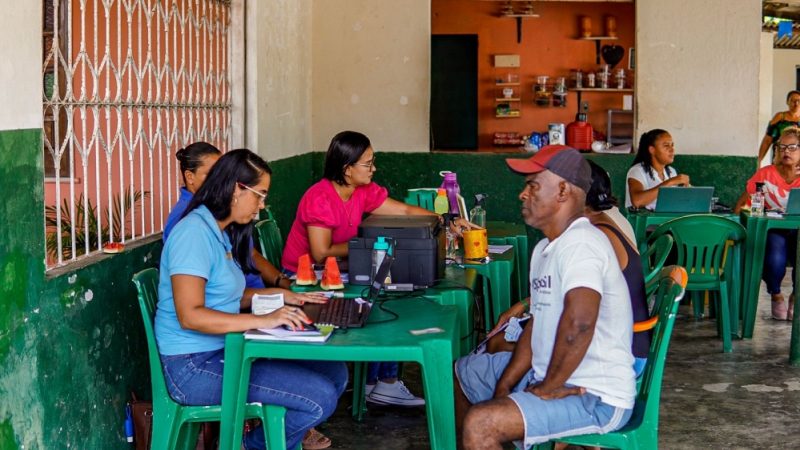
653,260
422,197
669,292
270,241
701,241
146,283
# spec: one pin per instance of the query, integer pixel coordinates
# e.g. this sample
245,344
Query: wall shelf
509,99
506,84
597,40
601,90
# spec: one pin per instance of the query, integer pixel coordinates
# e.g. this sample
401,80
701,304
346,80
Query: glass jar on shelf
541,91
576,78
619,78
560,92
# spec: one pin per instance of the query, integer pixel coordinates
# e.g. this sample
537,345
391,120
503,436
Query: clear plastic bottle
379,251
440,204
450,184
757,201
477,215
451,249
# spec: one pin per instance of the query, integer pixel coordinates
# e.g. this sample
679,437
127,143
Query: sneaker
779,311
368,388
394,394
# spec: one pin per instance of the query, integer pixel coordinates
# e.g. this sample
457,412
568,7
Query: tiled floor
746,399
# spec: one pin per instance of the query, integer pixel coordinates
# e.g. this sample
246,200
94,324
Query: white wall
698,73
278,91
21,69
783,76
371,71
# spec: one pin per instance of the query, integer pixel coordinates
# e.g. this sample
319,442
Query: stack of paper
281,334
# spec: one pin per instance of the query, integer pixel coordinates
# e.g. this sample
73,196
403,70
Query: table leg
755,266
231,398
359,398
437,380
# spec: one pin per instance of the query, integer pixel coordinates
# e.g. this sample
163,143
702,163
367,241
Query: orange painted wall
548,47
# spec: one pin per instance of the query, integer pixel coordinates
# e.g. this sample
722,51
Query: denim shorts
544,419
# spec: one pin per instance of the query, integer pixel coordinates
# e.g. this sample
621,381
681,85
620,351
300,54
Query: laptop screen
793,203
694,199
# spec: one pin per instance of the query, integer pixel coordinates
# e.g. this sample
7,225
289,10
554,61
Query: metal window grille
126,83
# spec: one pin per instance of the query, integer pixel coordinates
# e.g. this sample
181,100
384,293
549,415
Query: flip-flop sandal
314,440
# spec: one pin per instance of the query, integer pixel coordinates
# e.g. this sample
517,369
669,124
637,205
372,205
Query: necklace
348,212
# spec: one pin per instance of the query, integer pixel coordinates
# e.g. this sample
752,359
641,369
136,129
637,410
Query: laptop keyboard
343,313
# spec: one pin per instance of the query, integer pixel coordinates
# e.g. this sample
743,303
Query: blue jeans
381,371
309,390
781,248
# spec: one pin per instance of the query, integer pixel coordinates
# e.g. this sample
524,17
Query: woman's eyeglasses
368,165
791,148
262,197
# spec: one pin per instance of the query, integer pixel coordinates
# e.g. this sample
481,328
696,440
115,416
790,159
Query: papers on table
266,303
499,249
281,334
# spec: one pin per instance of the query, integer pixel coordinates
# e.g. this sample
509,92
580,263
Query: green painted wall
488,173
71,346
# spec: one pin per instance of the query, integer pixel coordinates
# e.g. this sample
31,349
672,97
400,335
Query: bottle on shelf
757,201
477,215
576,77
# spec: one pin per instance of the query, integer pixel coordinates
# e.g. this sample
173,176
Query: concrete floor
748,399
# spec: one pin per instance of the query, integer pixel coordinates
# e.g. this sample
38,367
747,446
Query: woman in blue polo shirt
202,291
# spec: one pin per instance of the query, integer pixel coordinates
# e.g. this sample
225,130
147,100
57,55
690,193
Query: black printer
418,249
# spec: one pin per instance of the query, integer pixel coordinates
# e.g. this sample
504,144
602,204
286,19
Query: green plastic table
757,228
389,341
497,297
507,233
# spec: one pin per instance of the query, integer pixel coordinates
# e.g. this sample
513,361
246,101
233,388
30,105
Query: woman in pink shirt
331,210
328,216
778,179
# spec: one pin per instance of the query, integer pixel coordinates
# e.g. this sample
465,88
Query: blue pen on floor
128,423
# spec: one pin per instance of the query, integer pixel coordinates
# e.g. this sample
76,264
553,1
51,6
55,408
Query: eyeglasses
262,197
791,148
369,165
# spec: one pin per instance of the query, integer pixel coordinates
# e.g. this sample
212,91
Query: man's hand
554,394
516,310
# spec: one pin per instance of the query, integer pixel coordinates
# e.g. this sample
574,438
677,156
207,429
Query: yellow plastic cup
476,244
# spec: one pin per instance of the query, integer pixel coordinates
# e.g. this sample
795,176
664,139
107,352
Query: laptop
690,199
793,203
350,312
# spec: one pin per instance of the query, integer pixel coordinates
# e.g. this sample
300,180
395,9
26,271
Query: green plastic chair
176,426
653,260
270,241
702,241
422,197
641,431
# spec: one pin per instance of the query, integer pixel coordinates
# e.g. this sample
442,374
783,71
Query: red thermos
580,133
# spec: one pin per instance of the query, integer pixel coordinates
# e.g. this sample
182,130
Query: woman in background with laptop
652,169
777,180
202,293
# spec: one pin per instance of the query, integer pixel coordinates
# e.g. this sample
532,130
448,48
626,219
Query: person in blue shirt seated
195,162
202,293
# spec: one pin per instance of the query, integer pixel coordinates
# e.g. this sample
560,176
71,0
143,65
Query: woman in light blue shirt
202,291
